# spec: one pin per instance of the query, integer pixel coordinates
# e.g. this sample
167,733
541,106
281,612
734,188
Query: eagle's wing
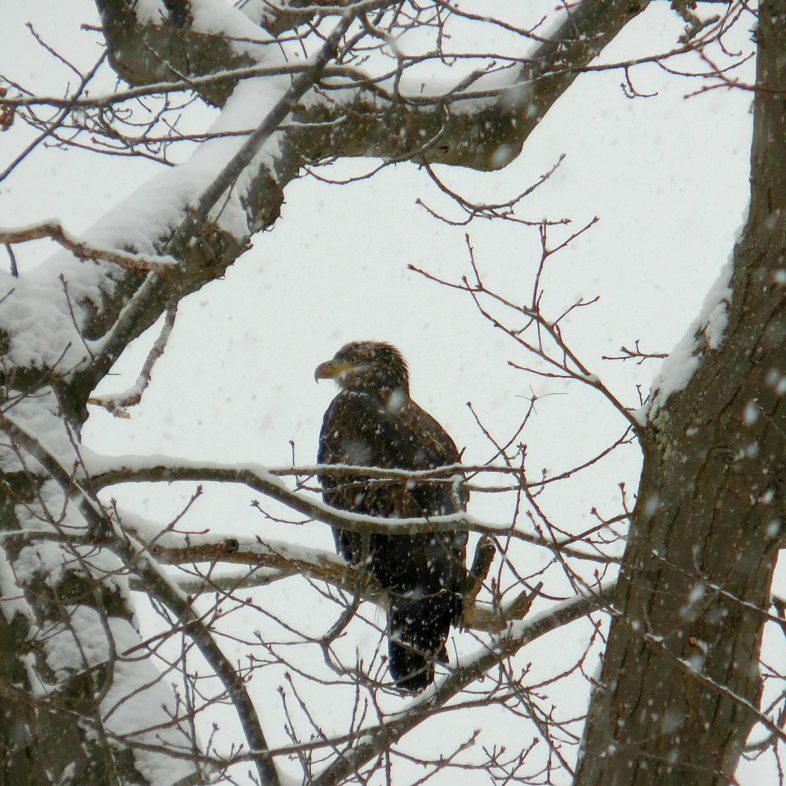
359,430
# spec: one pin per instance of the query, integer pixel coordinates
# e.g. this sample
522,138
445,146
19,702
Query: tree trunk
680,683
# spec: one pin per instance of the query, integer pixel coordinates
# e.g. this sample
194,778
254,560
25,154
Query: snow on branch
244,156
134,556
273,560
705,334
259,478
396,119
138,263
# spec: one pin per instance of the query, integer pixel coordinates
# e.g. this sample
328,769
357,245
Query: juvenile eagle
373,422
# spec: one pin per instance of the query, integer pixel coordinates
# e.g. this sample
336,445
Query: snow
150,11
153,210
216,16
767,497
672,720
150,531
63,655
691,610
776,380
211,16
140,704
651,505
696,594
751,413
13,602
38,306
38,309
704,334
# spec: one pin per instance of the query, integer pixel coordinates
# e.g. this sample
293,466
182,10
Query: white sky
666,175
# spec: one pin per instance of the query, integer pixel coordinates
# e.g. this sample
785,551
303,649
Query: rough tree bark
678,694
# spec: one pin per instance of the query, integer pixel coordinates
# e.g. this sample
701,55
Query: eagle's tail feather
418,628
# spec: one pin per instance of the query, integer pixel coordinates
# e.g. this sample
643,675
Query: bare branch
116,404
504,646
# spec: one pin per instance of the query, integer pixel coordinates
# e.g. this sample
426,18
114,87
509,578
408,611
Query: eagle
372,422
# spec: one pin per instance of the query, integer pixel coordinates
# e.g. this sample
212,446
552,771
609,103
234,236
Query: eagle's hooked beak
332,369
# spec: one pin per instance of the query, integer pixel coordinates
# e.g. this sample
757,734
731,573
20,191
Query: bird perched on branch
373,422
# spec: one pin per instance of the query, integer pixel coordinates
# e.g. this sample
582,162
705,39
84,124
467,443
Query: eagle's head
367,366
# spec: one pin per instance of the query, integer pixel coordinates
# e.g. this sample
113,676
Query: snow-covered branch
257,477
137,263
133,556
275,560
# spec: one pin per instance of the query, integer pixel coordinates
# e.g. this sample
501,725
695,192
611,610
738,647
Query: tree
99,687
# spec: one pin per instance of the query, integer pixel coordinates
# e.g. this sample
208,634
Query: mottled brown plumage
373,422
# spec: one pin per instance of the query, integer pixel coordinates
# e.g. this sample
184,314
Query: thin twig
117,404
